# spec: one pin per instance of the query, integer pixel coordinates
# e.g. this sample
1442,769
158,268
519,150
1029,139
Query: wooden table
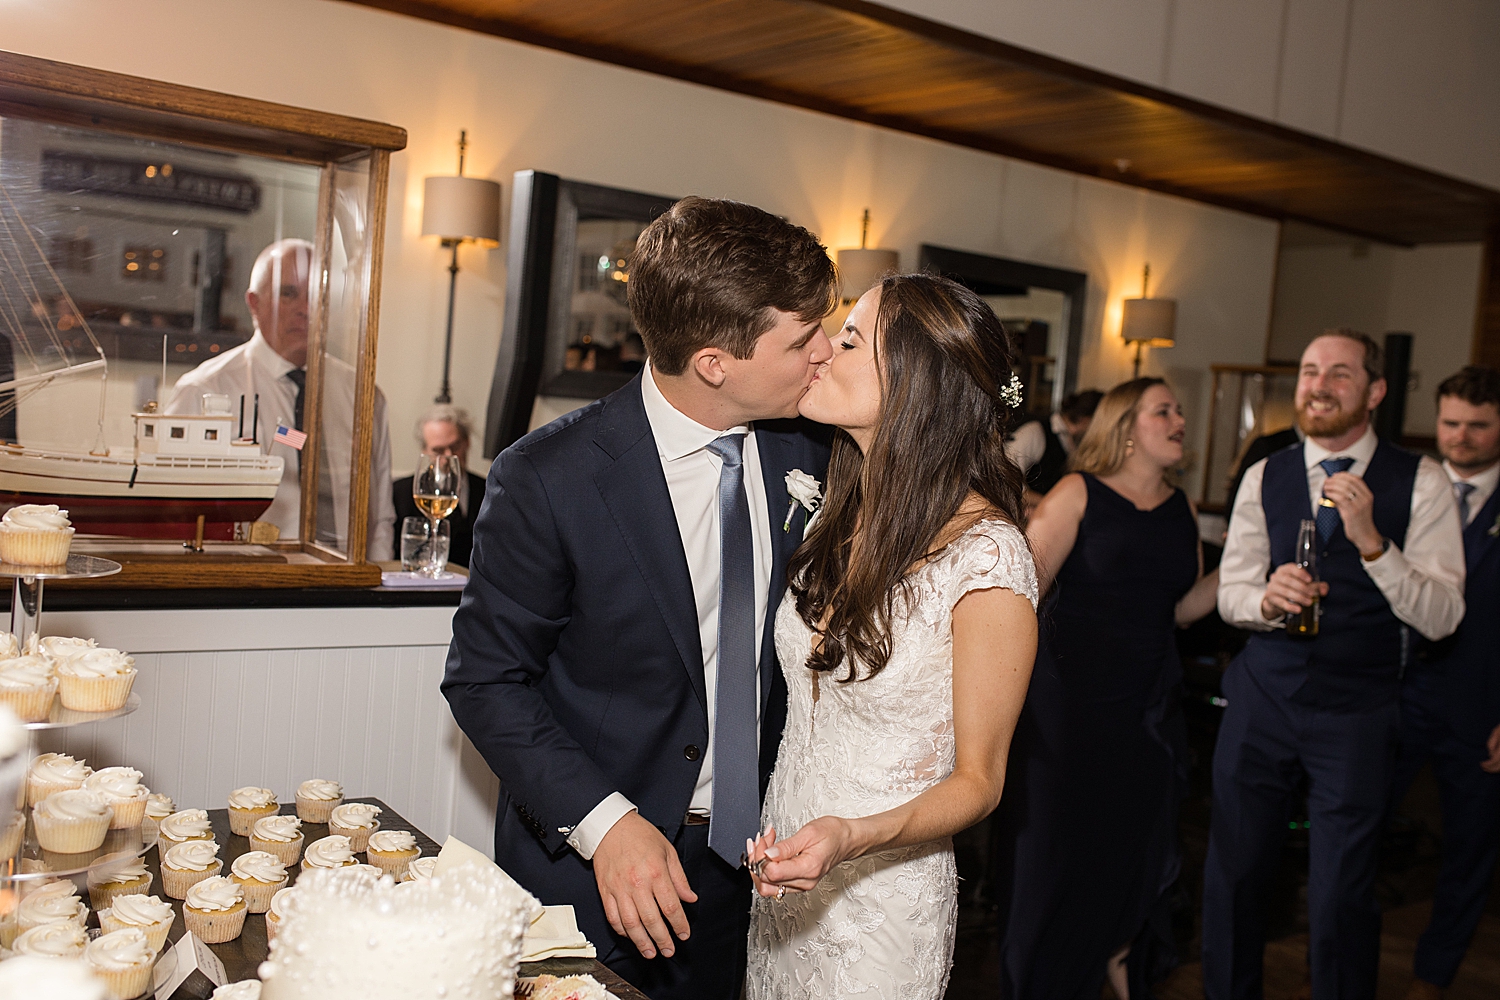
243,955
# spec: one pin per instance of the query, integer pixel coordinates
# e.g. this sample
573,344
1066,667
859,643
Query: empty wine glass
435,489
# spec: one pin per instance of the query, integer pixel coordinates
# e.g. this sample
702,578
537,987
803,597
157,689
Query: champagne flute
435,489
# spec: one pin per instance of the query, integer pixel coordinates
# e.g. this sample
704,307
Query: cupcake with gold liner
96,680
185,865
123,959
51,903
278,835
27,685
355,820
122,788
261,876
158,808
421,870
282,902
64,939
215,910
148,913
392,851
316,799
54,772
330,852
128,878
184,826
246,805
34,534
72,822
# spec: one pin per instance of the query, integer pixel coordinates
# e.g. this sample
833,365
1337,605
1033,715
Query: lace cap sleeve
992,554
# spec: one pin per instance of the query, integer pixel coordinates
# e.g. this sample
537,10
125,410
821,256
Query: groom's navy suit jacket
576,668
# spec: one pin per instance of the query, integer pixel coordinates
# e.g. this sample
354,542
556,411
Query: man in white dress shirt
1391,572
273,365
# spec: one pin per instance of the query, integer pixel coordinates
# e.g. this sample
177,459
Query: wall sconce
1149,322
459,210
861,270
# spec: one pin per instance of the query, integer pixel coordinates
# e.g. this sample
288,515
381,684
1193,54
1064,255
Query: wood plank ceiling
862,61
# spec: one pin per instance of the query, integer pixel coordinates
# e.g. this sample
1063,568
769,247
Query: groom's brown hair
708,272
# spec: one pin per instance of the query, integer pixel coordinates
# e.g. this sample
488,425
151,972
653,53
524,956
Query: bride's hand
755,858
798,862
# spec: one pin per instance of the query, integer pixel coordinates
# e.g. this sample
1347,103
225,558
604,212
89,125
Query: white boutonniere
1494,531
803,489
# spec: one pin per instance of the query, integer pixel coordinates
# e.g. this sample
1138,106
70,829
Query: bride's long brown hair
944,360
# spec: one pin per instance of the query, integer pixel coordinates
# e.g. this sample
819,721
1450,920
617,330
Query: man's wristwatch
1385,543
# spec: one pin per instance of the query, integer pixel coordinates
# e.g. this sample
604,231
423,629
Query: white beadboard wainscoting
271,697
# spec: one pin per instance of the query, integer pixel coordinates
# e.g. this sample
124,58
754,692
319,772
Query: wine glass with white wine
435,489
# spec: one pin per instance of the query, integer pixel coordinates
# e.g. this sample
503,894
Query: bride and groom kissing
738,739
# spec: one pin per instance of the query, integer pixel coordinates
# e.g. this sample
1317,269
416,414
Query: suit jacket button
691,751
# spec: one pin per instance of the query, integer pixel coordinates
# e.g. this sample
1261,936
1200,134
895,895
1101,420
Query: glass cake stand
26,592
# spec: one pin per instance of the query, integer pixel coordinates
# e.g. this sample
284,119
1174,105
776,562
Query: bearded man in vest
1322,707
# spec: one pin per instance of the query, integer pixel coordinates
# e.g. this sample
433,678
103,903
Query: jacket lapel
775,462
1477,537
635,491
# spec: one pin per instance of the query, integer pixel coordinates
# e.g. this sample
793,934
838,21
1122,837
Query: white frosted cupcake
421,869
246,805
392,851
96,680
185,865
245,989
60,647
51,903
355,820
128,878
122,789
281,903
330,852
185,825
278,835
35,535
27,685
123,959
158,808
148,913
316,798
54,772
72,822
8,645
261,876
215,910
52,978
60,940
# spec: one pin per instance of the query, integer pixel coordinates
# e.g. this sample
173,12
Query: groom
613,657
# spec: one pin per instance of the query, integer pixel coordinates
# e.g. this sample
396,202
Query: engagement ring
780,893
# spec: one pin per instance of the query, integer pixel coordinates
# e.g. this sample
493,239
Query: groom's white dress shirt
692,473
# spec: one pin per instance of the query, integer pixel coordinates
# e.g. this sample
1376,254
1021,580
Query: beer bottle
1305,623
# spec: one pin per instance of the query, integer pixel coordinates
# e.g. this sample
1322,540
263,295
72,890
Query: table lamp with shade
459,210
1148,322
861,269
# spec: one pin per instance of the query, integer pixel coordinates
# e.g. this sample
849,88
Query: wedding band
780,893
756,866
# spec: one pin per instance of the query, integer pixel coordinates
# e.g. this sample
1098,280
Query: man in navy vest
1450,699
1390,562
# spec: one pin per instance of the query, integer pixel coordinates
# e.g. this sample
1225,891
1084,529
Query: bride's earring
1129,445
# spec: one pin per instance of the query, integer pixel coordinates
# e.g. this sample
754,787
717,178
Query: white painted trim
184,631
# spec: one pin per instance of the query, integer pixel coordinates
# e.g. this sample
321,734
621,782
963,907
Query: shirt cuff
1387,569
586,836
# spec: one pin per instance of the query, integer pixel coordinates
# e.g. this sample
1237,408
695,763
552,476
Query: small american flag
289,437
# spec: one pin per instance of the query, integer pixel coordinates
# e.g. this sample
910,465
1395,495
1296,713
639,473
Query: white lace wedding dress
880,926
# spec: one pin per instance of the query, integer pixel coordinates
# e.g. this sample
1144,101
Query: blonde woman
1090,822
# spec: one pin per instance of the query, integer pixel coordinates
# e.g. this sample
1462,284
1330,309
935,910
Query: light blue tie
735,815
1461,493
1328,517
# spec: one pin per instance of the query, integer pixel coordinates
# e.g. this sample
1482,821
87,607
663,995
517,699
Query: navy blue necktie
1328,515
735,816
1461,493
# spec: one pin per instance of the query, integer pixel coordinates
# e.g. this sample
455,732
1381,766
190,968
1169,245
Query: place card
195,975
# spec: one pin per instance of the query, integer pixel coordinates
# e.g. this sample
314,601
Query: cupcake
60,647
185,825
9,646
35,535
187,864
245,989
330,852
97,680
281,903
278,835
123,959
54,772
127,878
27,684
392,851
354,820
60,940
316,798
261,876
215,910
122,789
11,833
421,869
72,822
51,903
246,805
158,808
148,913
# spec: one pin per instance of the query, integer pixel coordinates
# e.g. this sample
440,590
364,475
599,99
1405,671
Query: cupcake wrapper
215,926
359,836
127,815
102,895
31,706
176,882
273,922
258,894
10,838
156,934
288,852
125,985
95,694
37,790
10,929
241,821
316,810
35,546
393,863
70,836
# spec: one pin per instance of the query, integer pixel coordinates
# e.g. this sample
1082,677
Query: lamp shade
461,208
1150,321
860,270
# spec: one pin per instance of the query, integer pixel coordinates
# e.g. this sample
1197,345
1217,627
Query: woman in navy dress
1088,824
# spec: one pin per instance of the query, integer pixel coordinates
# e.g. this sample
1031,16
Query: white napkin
553,930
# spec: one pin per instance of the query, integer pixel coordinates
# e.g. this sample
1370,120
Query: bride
907,636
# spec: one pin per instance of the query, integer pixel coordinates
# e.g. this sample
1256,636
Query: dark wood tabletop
243,955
